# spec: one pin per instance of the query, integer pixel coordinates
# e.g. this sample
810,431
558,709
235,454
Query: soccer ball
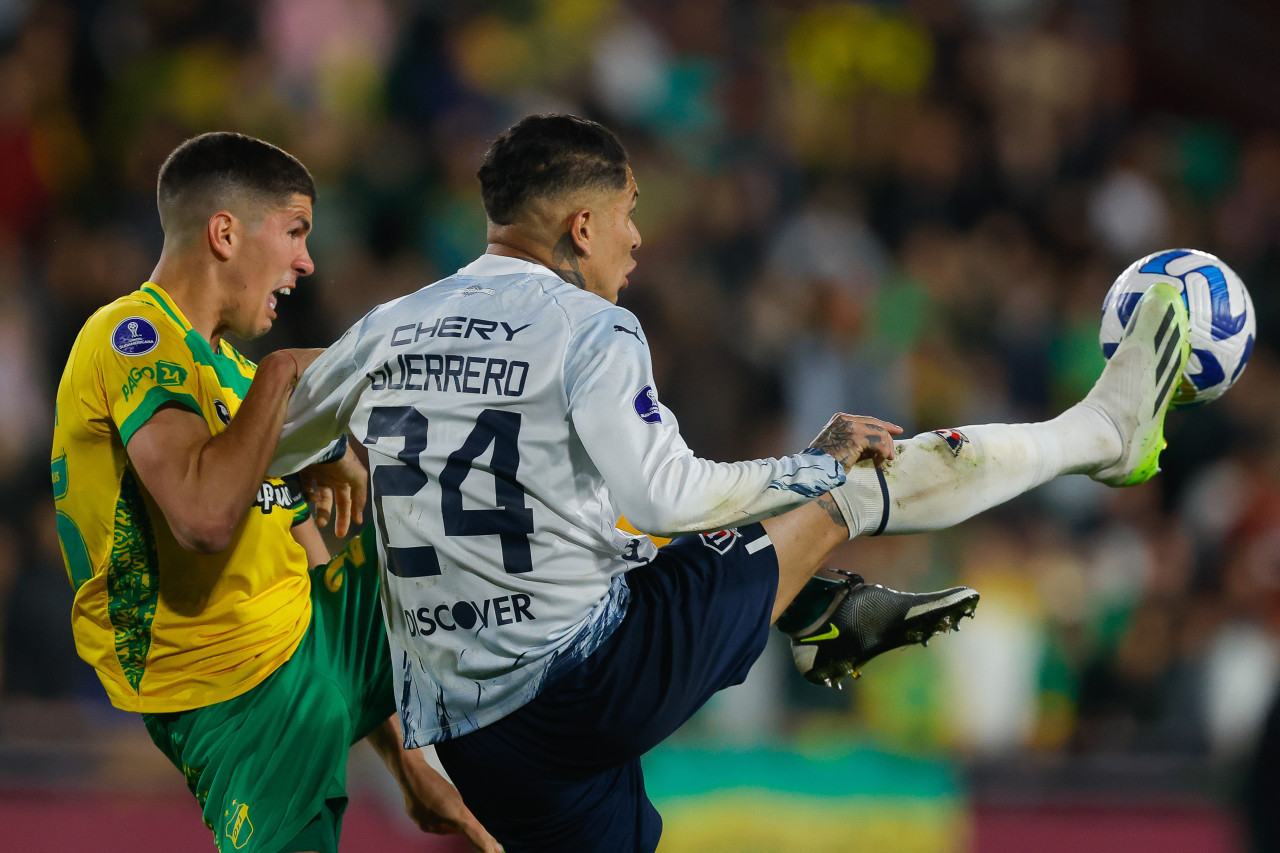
1223,326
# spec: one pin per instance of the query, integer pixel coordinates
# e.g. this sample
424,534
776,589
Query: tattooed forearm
566,262
828,503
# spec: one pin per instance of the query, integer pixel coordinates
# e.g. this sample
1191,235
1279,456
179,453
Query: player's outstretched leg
837,626
1115,435
941,478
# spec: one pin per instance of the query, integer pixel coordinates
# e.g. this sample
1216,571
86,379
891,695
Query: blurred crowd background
905,209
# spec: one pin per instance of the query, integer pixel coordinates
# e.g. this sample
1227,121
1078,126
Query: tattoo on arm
835,440
828,503
566,262
833,436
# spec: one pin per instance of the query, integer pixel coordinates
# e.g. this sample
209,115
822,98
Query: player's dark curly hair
544,156
218,164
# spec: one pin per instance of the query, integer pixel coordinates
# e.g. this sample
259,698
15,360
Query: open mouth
274,298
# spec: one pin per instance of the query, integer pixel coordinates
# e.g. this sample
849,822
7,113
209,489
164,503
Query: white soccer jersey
510,419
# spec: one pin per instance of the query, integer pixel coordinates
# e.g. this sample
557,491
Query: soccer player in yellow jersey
196,600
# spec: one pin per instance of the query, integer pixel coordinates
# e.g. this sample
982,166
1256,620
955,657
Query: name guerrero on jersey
510,419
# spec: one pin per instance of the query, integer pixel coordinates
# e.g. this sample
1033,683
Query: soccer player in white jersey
511,416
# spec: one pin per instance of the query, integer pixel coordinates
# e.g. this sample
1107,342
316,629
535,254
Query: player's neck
524,253
193,288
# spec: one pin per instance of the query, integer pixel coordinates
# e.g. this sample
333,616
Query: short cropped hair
547,156
213,168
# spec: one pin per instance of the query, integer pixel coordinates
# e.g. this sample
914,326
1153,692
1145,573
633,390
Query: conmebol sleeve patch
646,405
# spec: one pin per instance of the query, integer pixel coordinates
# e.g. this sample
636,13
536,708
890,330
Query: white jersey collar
495,265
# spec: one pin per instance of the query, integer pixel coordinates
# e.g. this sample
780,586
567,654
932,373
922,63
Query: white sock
938,479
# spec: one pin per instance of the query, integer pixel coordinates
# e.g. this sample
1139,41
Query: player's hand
854,438
436,806
433,803
302,358
336,490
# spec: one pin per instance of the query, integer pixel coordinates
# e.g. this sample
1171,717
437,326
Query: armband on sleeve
336,451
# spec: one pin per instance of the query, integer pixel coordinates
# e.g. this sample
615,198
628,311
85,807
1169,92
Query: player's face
272,258
610,261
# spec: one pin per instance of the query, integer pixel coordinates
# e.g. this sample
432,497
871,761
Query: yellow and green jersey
165,628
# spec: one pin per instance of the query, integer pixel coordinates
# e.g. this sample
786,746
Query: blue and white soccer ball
1223,326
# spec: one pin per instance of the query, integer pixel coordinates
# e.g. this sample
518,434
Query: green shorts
269,764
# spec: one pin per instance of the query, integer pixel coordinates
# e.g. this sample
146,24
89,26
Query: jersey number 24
510,520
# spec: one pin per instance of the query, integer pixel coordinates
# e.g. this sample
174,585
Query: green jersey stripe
164,304
227,368
133,580
155,398
229,375
79,566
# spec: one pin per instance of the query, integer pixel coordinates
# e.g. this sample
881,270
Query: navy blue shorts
563,772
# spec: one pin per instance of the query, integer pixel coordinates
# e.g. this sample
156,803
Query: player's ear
580,231
218,232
